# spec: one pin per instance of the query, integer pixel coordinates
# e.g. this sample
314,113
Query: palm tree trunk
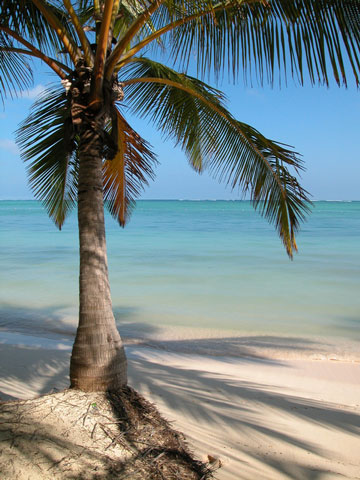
98,361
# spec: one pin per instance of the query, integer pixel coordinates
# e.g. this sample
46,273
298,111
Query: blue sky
321,123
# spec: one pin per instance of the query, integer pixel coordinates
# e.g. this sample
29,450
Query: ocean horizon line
186,200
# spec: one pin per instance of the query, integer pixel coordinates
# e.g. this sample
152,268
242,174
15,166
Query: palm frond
193,114
128,11
25,18
15,71
128,172
48,144
264,38
141,22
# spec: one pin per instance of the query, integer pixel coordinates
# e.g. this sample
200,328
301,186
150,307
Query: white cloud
254,92
9,146
33,92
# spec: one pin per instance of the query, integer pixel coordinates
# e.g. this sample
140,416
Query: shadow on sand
204,396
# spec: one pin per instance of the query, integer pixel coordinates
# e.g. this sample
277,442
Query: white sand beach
263,418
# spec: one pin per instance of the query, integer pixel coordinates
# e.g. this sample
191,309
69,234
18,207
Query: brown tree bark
98,361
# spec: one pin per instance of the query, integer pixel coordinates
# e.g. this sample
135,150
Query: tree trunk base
98,361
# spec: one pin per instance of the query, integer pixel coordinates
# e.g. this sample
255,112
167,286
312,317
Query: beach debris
215,462
72,434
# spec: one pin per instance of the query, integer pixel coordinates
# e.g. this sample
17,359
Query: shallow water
186,269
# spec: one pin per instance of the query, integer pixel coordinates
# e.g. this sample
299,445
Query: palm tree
81,150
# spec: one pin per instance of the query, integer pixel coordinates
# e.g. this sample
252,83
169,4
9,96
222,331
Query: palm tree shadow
207,398
36,345
32,369
31,451
199,395
51,322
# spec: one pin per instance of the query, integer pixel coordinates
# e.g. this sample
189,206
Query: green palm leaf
23,17
193,114
47,142
15,71
264,38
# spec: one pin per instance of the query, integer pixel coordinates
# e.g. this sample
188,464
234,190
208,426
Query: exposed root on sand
88,436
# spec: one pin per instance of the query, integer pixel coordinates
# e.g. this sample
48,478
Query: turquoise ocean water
193,275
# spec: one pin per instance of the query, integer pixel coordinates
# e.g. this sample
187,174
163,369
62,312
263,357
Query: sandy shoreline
263,417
